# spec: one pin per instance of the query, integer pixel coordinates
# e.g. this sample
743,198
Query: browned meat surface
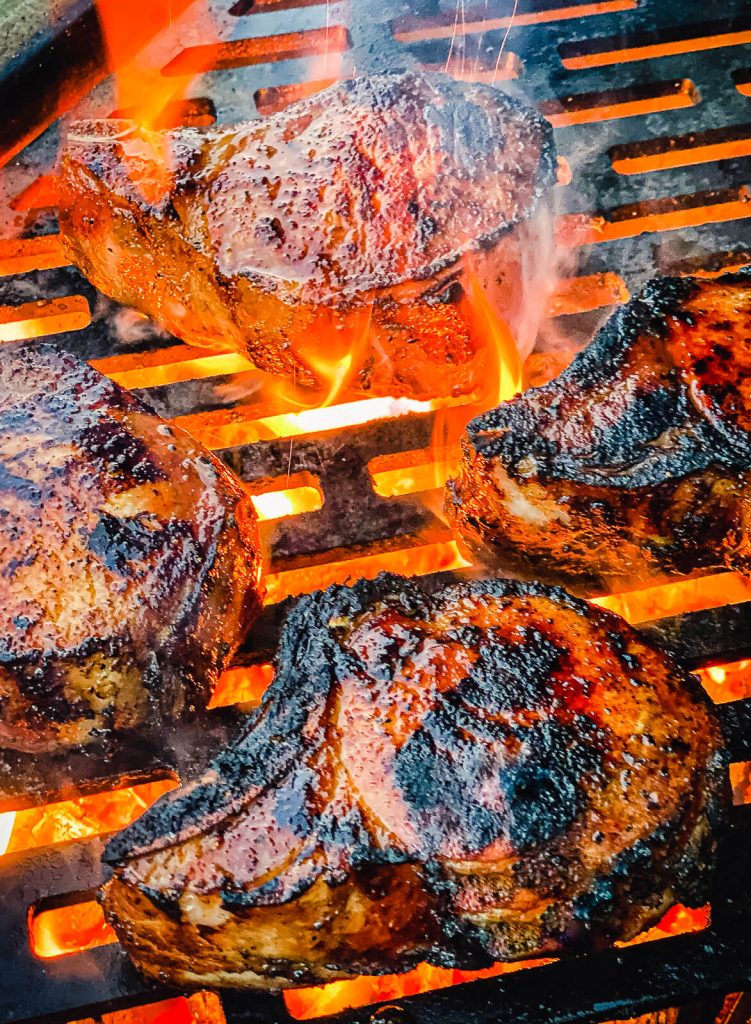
496,772
636,462
129,559
330,238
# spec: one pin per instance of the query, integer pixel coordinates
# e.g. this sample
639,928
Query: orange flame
505,369
321,1000
142,89
500,379
151,98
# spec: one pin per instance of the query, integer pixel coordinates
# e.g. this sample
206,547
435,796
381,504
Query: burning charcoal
636,462
130,559
317,240
498,771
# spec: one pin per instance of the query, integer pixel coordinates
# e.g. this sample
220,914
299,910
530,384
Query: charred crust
543,787
626,454
118,541
165,900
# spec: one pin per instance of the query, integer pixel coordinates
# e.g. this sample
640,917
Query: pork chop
129,558
500,771
635,463
330,240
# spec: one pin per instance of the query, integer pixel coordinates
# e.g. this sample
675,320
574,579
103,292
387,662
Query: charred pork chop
331,237
496,772
129,558
635,462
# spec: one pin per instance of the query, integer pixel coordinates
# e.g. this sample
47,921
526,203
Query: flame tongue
138,47
504,365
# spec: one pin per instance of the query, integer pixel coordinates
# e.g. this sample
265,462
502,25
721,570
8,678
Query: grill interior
651,105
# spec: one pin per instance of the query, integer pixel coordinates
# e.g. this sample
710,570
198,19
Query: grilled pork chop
330,238
496,772
129,558
635,462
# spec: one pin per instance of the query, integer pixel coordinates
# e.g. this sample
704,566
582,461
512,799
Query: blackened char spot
383,651
443,770
164,900
426,227
648,416
14,564
543,787
120,541
124,454
452,294
42,685
27,491
507,676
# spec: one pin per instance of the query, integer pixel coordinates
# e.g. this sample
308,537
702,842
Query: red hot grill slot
650,104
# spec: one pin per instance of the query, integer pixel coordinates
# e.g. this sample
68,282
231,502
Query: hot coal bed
650,103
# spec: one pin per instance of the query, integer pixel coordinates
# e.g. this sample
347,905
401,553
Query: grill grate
651,105
611,985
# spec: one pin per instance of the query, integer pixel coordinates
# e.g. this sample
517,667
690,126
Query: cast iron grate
650,103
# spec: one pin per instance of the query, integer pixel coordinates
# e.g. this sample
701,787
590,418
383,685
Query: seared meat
129,559
497,772
332,237
635,462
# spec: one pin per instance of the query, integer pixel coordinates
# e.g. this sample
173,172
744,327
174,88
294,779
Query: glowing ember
230,427
72,929
581,294
678,598
621,49
430,556
305,1003
43,191
242,685
48,316
335,417
679,920
199,1008
727,682
170,366
19,255
669,213
88,815
631,101
412,472
740,781
288,502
